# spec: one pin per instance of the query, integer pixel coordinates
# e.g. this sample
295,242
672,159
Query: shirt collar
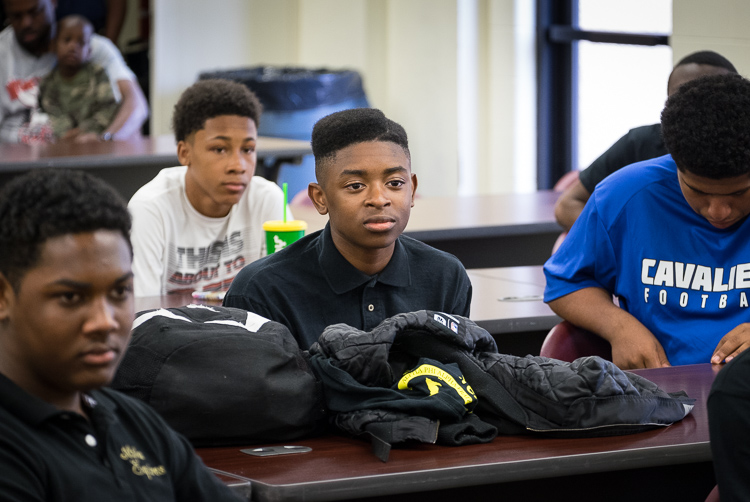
342,276
36,411
25,406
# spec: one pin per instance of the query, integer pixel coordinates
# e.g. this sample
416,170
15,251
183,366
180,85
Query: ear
184,151
7,298
318,198
413,188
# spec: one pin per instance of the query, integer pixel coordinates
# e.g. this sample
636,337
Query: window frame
557,83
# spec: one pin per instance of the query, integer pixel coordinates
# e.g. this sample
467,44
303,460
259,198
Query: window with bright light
620,86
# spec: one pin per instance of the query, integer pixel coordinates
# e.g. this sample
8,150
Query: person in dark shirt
640,143
359,269
66,310
729,427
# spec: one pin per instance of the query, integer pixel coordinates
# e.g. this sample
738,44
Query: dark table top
500,230
339,467
504,300
128,165
465,217
509,300
147,150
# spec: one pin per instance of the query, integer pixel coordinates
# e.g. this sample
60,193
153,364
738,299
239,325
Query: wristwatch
106,136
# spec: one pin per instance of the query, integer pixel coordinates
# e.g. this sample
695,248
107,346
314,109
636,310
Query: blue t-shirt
638,238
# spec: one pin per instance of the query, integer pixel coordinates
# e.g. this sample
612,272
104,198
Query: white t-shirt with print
176,248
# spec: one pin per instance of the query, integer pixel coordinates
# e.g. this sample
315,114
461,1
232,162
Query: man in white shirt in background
25,58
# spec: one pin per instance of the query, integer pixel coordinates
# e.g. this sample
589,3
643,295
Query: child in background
77,95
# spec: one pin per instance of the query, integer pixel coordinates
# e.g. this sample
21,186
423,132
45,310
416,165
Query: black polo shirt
309,286
125,452
640,143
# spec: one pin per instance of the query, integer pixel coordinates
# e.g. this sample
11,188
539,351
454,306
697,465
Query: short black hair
338,130
706,126
73,19
51,202
211,98
709,58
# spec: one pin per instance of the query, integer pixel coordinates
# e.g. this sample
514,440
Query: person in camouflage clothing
77,95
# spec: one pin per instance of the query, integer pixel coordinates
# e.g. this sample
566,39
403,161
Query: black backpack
222,376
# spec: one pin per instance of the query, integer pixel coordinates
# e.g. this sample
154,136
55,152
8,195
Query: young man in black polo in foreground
359,270
66,309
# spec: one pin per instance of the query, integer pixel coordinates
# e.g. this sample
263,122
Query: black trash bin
293,100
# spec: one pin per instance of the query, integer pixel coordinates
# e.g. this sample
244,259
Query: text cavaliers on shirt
694,277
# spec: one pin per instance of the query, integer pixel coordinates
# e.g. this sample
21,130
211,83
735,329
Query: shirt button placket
369,312
90,440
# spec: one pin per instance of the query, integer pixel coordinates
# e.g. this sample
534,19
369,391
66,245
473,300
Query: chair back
301,199
568,342
566,181
563,184
714,495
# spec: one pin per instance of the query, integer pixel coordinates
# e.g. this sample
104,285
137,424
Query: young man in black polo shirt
66,309
359,270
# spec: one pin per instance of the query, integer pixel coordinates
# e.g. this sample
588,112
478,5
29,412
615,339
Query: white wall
405,50
188,37
719,25
507,156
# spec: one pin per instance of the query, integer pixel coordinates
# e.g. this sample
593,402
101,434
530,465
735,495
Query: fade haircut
339,130
211,98
709,58
47,203
706,126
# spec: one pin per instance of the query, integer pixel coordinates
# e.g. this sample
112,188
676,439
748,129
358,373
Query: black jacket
360,372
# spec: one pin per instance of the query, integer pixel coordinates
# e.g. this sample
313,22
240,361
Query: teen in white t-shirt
196,226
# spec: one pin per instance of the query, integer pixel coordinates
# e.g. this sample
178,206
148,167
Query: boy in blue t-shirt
668,238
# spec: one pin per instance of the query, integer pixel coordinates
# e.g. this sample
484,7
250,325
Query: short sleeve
271,205
585,259
618,155
247,292
464,292
105,54
148,236
639,144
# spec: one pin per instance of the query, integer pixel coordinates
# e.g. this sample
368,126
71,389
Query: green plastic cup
279,234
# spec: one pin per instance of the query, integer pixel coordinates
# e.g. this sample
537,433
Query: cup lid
285,226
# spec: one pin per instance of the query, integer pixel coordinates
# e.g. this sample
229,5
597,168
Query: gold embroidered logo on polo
463,389
136,459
